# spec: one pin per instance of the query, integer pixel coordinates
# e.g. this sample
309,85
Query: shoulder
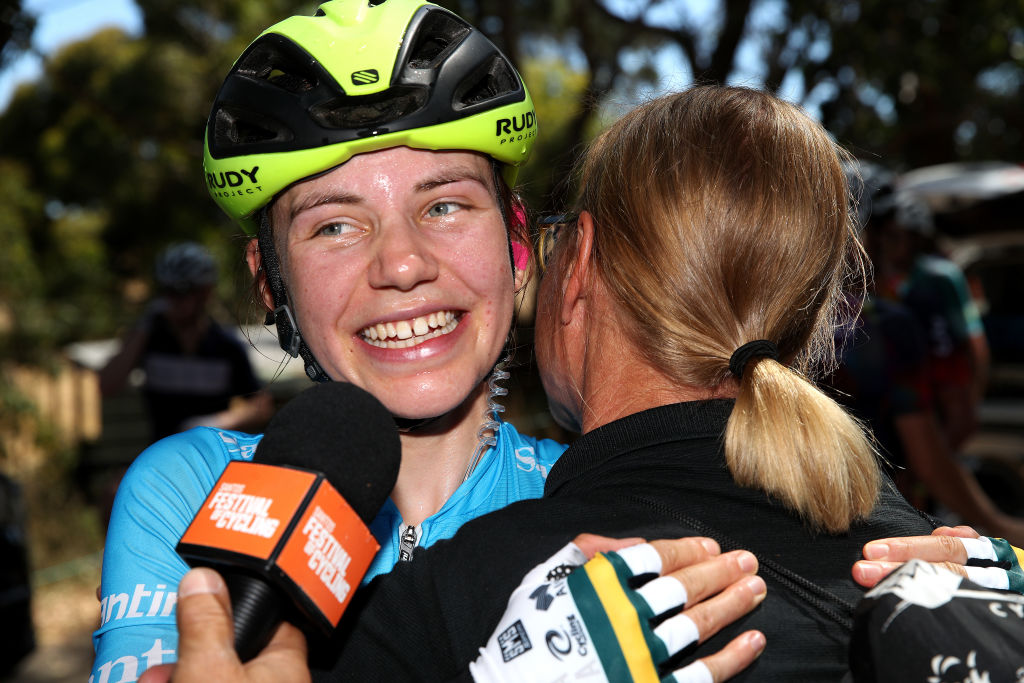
894,516
526,452
169,480
195,454
514,469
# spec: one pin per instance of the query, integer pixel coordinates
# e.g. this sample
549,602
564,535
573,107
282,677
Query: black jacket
656,474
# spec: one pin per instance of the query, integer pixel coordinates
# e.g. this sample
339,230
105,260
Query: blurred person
17,633
884,379
196,372
909,270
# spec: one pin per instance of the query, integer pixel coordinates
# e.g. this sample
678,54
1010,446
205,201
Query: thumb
206,634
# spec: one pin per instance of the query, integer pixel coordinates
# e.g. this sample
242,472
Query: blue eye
336,229
443,209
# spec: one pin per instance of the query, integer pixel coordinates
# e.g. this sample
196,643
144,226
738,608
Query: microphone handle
258,608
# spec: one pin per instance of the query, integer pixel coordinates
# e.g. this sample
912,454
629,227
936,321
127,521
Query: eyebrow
332,196
455,175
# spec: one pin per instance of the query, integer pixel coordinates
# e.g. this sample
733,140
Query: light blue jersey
169,481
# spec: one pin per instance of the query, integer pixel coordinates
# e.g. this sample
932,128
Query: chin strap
288,334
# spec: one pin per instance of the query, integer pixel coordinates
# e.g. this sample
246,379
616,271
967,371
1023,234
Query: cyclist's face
397,264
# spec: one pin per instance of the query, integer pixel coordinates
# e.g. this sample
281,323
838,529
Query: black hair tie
759,348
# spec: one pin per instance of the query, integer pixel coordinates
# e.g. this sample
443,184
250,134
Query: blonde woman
676,316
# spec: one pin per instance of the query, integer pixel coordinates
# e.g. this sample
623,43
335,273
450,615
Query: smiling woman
382,230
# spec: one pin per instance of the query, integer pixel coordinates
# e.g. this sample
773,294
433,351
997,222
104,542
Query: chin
564,417
427,406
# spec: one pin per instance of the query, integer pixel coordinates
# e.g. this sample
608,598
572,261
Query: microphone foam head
344,432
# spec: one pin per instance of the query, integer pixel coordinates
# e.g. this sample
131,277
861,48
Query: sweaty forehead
365,178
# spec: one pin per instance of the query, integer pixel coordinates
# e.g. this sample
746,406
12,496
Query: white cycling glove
589,624
994,563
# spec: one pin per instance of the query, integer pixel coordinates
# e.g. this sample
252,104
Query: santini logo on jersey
143,602
127,667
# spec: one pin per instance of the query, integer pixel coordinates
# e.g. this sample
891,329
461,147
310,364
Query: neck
618,381
435,458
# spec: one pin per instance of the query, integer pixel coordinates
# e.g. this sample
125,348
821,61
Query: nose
404,257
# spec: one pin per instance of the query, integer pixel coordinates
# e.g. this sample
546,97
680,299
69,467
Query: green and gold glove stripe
612,622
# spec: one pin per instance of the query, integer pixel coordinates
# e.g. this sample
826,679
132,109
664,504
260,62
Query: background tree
16,26
911,83
101,156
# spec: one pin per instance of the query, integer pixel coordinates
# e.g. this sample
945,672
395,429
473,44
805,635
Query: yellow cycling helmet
359,75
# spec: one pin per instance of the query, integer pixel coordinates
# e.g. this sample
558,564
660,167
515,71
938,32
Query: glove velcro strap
624,646
1011,559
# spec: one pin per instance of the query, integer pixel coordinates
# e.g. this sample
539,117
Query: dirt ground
64,615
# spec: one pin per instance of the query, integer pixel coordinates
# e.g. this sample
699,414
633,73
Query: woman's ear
520,263
578,271
255,261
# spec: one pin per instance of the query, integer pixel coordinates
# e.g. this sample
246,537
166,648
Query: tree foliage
100,159
16,26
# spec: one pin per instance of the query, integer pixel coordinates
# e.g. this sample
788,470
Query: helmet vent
266,63
369,110
494,79
437,34
246,128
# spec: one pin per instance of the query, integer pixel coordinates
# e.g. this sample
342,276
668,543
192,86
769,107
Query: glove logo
560,572
578,634
542,598
558,644
365,77
513,641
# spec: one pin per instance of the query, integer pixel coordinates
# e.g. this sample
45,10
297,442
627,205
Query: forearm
948,480
114,374
249,414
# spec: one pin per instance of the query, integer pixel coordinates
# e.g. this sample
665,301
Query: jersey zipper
408,537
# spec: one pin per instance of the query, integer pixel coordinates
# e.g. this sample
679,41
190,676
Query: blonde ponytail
789,439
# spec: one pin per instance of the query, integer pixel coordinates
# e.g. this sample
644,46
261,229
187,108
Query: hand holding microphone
206,641
288,531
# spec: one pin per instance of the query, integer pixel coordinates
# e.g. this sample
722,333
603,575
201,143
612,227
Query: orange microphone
288,531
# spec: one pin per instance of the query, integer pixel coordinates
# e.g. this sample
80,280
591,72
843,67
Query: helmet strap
503,194
288,334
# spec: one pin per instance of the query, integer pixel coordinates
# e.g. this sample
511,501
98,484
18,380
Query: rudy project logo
234,183
517,128
365,77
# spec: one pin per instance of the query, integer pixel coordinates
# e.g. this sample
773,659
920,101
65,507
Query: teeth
405,333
